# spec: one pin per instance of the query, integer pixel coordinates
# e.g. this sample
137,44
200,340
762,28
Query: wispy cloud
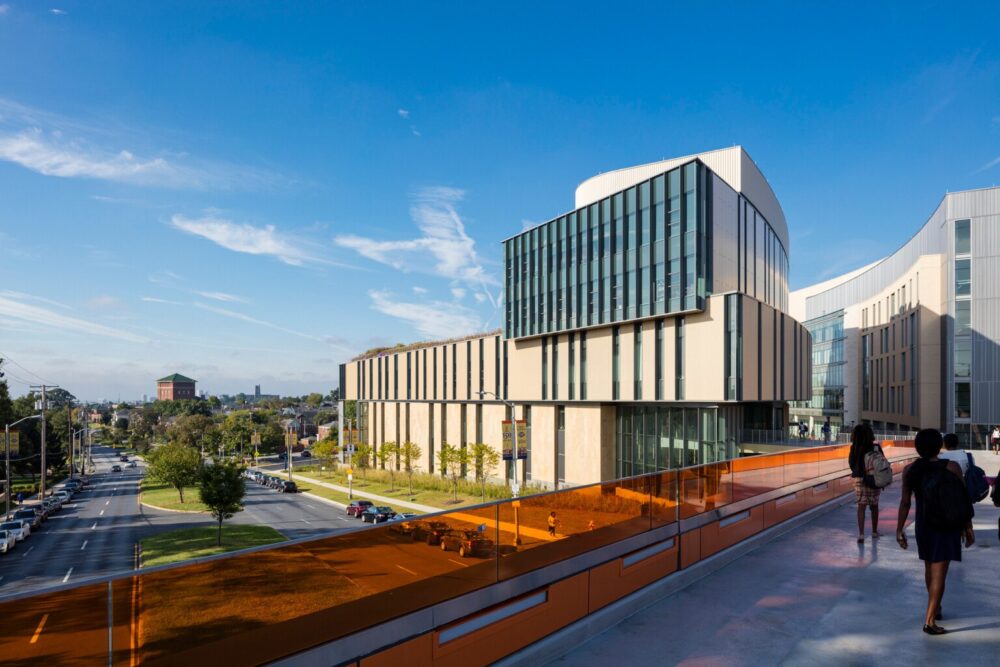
31,297
419,290
222,296
989,165
57,11
246,238
4,9
53,145
403,113
332,341
444,239
156,299
28,313
104,301
437,319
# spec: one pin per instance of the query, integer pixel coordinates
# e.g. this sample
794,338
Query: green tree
361,459
314,399
326,450
350,410
409,454
452,460
485,460
388,454
174,464
189,430
221,487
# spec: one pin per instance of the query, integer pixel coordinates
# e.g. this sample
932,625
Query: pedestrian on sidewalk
952,452
552,521
944,518
995,440
863,442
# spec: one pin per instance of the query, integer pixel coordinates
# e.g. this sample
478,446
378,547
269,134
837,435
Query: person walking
944,518
552,521
952,452
862,443
995,440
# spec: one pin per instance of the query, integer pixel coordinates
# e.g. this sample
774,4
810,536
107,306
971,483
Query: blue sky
254,194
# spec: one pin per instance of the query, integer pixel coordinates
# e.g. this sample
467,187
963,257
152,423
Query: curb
313,496
164,509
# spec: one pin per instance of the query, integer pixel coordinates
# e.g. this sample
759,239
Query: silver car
16,528
7,541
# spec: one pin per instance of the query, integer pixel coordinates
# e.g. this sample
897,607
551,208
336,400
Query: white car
7,541
15,528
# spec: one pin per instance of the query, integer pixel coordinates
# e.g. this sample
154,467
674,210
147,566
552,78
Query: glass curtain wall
654,437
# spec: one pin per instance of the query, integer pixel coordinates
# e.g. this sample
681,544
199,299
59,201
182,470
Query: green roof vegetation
176,377
401,347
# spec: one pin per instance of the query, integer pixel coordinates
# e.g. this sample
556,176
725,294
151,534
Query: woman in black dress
937,548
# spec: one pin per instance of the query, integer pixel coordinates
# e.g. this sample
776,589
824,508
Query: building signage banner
291,437
522,439
508,439
15,442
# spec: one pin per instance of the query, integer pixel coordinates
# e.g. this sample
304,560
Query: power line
29,372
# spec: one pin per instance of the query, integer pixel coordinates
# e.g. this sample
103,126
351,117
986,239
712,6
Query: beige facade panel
669,359
583,443
626,355
598,364
750,342
543,447
767,360
704,352
649,360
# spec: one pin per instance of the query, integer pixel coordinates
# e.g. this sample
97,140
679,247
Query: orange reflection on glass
755,475
705,488
542,529
67,627
664,497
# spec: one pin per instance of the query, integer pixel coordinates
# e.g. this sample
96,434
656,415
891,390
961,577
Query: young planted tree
222,489
409,454
452,459
387,456
176,465
326,450
485,460
362,458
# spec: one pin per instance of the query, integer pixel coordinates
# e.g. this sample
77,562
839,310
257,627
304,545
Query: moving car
123,458
64,495
30,515
306,454
7,541
430,531
467,543
378,514
131,464
16,528
356,507
288,486
116,468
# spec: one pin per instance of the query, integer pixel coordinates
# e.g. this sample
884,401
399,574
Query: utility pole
43,405
72,440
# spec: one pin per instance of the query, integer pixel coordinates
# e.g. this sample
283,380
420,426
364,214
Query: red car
467,543
357,507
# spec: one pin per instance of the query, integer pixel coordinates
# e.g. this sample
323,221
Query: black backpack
946,501
975,481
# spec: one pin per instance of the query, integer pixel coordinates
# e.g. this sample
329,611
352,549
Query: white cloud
104,301
415,131
420,290
28,313
31,297
403,113
246,238
222,296
253,320
4,9
154,299
989,165
57,11
481,297
444,239
436,319
458,293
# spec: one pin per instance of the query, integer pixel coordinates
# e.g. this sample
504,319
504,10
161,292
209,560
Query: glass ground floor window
657,437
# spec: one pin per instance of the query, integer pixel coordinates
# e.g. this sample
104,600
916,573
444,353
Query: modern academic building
645,329
912,341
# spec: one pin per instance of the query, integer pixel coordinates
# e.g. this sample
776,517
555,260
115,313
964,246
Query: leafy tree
325,416
241,398
409,454
453,460
189,430
314,399
221,487
174,464
214,402
362,458
6,405
387,459
326,449
350,410
237,429
485,460
59,398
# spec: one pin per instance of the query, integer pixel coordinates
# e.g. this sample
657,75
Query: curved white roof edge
733,165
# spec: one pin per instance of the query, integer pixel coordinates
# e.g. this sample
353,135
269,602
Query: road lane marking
38,630
107,502
84,546
405,570
307,521
27,552
94,527
456,562
68,572
102,513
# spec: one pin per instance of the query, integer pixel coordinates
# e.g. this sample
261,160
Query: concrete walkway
815,597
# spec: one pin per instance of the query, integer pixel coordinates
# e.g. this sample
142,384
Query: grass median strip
165,496
180,545
339,497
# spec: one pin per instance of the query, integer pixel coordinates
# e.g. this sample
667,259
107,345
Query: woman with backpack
862,444
944,518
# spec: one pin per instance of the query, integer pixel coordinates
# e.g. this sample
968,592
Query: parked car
430,531
288,486
274,482
131,464
7,541
50,506
123,458
356,507
467,543
64,495
116,468
30,515
378,514
16,529
306,454
402,523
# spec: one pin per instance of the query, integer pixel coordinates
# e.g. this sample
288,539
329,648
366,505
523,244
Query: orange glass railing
257,606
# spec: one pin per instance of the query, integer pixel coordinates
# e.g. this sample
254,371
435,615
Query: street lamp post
514,486
6,431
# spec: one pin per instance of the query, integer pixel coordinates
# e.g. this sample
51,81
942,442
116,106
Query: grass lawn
162,495
441,499
188,543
